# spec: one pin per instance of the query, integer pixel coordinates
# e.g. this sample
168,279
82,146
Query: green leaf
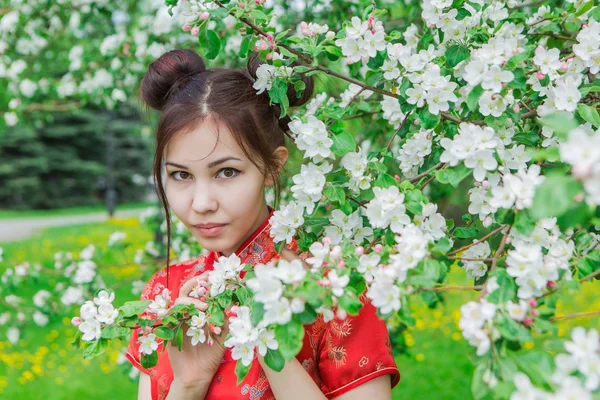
585,7
466,233
334,193
274,360
554,196
149,360
350,304
429,120
131,308
343,143
507,289
241,371
517,59
473,98
289,337
512,330
384,181
214,44
453,175
243,294
462,14
455,54
441,247
95,348
561,122
179,337
527,138
245,46
524,222
479,388
308,316
113,332
537,365
258,311
164,333
589,114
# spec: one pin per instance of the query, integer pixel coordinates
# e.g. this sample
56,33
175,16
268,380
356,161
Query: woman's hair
179,85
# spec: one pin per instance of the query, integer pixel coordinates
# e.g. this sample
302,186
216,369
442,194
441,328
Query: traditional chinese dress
339,355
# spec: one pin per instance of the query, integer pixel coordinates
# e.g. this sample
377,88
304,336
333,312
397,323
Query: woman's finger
289,255
200,305
188,286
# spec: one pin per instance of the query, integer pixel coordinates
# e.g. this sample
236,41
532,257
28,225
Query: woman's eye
183,175
227,173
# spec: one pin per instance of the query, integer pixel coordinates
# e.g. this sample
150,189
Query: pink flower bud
76,321
516,108
242,5
326,240
195,31
359,251
263,45
186,28
341,264
270,38
217,330
257,2
564,67
364,59
476,184
204,15
550,284
269,56
378,248
397,177
578,198
584,26
486,184
534,312
303,25
256,48
515,51
527,321
202,298
209,341
273,45
540,75
324,282
532,303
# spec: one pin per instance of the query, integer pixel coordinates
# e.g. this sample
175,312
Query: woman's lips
211,231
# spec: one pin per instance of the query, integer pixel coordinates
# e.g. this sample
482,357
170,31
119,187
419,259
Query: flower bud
532,303
476,184
186,28
527,321
550,284
564,67
326,240
242,5
378,248
540,75
534,312
217,330
204,15
359,251
578,198
76,321
269,56
195,31
341,264
330,35
397,177
486,184
270,38
516,108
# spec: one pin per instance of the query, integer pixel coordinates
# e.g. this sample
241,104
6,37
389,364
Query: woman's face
215,187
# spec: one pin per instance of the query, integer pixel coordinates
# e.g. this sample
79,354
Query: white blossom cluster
476,269
116,237
363,40
161,304
309,184
387,209
245,338
582,358
94,313
353,90
476,324
266,73
356,165
537,259
347,226
285,221
225,273
582,151
413,152
312,137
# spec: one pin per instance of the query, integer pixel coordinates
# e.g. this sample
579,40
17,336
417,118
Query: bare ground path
14,229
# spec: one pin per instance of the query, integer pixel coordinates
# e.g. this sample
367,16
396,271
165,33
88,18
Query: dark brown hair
179,85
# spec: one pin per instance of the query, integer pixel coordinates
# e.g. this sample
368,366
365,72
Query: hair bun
254,62
168,74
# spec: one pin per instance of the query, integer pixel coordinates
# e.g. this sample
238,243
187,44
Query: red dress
338,355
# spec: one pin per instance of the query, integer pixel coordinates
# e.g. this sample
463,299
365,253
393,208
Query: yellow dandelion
419,324
420,357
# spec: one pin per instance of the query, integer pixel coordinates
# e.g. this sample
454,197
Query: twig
448,288
399,129
576,315
360,115
477,242
418,177
470,259
553,35
52,107
427,182
495,260
585,278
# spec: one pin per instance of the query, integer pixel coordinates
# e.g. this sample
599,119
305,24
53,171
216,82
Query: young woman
219,145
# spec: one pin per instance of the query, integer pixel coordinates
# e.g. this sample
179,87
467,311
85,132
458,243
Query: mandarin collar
256,245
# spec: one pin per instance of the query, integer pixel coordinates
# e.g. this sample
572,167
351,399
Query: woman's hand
195,366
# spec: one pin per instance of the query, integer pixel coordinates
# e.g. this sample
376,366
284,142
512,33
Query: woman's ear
281,155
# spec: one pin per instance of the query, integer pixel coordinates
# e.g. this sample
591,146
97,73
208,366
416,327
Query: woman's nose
204,200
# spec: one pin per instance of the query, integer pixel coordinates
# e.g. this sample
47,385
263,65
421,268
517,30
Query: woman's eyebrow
210,165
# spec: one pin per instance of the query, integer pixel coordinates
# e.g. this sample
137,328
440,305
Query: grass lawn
12,214
44,364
